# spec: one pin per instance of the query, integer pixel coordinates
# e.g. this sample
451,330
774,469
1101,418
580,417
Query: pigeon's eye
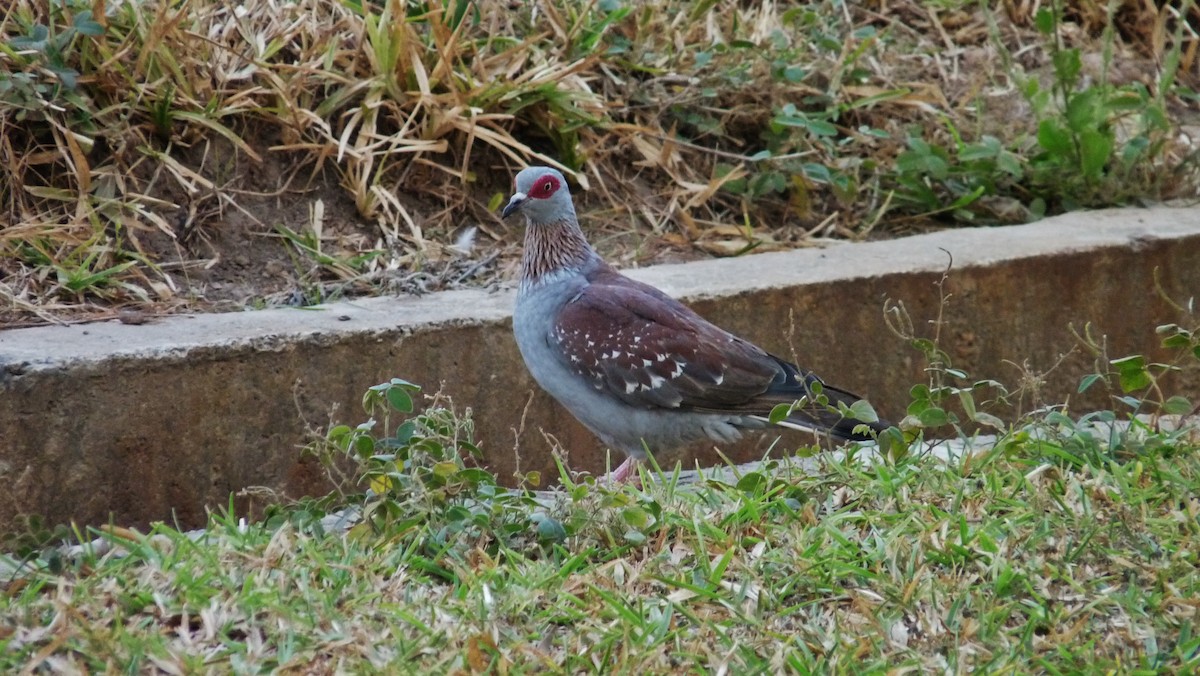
544,187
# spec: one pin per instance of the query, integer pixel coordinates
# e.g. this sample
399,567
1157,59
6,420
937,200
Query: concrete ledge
137,423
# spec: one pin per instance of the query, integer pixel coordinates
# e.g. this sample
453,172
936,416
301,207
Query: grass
136,138
1068,544
154,155
1011,561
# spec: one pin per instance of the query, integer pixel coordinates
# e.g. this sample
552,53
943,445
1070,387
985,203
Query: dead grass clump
132,130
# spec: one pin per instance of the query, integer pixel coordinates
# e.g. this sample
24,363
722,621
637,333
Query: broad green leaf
862,410
1010,164
445,469
968,403
794,74
1054,138
1095,149
85,25
1177,405
405,432
1085,111
1087,381
1067,64
1134,362
381,484
1133,373
338,434
477,476
399,399
933,417
1131,402
812,125
817,172
636,517
752,482
364,445
924,345
1057,418
989,420
1044,20
1126,100
779,413
929,164
918,406
551,530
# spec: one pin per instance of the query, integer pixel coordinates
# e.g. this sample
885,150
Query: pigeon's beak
514,204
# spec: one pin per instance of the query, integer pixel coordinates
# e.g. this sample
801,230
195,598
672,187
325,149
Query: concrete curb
141,422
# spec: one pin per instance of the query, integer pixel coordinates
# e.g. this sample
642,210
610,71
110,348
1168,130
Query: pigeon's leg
624,471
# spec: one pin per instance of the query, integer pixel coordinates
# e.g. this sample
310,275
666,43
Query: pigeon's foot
624,473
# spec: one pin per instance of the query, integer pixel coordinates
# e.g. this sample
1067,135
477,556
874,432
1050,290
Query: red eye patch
544,187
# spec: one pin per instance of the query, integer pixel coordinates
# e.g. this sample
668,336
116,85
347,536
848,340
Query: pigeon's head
541,194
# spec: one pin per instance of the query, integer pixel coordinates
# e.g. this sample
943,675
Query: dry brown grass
133,149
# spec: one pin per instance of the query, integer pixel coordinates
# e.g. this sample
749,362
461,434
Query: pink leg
622,473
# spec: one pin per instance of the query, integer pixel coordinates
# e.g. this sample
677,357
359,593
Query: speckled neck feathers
554,247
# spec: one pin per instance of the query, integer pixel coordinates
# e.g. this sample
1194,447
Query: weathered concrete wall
139,423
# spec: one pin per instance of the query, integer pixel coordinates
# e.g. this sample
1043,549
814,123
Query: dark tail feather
818,418
843,429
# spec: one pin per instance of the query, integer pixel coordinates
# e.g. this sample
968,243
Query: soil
240,241
230,252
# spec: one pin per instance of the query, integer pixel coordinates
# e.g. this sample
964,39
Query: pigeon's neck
552,248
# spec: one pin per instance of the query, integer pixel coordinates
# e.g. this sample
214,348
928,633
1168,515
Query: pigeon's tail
794,384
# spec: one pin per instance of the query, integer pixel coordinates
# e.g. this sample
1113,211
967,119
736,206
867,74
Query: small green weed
44,57
416,480
1055,551
322,275
1095,143
1134,381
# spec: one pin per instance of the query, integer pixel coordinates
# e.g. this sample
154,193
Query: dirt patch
288,154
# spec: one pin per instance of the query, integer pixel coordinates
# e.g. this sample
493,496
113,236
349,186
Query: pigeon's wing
649,350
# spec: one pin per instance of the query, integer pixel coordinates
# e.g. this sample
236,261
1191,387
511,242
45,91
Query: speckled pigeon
635,366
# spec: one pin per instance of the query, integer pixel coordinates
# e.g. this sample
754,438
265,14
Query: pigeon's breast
534,316
618,424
